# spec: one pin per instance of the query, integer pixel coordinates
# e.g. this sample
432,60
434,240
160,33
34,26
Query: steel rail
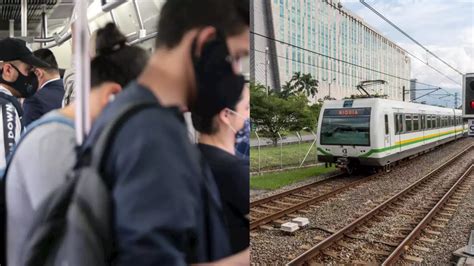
271,217
400,249
315,250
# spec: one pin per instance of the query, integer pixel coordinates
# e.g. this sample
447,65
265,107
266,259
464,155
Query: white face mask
238,115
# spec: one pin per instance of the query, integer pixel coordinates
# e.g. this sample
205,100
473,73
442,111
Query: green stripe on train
367,154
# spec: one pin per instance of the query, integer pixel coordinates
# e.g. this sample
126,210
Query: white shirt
49,81
10,128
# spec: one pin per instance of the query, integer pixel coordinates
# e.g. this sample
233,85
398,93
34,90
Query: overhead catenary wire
408,36
337,59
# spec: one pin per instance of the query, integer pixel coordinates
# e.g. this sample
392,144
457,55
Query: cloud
444,27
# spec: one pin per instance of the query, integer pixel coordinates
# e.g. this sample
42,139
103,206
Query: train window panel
428,122
423,122
438,121
397,127
408,123
416,122
346,126
386,125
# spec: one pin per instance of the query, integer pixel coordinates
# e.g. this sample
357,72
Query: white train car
376,132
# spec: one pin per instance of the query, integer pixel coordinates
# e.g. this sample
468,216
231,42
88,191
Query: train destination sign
347,112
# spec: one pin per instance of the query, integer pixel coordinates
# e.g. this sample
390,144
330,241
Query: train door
423,125
387,137
398,128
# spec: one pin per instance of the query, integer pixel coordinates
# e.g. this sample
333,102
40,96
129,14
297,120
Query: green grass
292,155
273,181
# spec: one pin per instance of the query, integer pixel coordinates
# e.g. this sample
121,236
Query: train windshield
346,126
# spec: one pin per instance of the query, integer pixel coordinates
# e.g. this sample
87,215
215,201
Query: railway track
274,207
386,233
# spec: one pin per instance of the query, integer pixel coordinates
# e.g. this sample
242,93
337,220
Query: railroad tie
449,209
428,240
304,211
452,205
271,207
420,248
283,203
331,253
441,219
441,226
260,211
376,252
412,258
432,232
446,214
303,196
345,244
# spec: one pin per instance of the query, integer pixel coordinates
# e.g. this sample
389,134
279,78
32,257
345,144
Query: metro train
375,133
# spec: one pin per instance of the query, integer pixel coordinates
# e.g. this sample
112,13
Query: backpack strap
13,100
103,144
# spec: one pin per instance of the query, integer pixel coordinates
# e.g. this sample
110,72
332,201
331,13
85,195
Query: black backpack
73,226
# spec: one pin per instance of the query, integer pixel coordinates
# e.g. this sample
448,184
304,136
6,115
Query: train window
423,122
346,126
397,121
438,121
428,121
408,123
416,122
386,125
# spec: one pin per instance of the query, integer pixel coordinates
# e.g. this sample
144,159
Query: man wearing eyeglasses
17,80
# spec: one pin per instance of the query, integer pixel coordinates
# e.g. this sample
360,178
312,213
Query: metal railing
290,150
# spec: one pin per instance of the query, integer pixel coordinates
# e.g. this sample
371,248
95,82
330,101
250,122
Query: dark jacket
167,209
46,99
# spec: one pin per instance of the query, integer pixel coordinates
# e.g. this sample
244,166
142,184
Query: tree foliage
300,84
272,114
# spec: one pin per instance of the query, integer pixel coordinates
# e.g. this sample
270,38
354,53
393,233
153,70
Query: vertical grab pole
24,18
12,28
82,65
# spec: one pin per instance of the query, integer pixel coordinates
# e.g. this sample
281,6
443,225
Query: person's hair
115,60
47,56
177,17
208,124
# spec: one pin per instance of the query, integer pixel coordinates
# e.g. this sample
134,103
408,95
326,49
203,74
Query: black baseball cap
15,49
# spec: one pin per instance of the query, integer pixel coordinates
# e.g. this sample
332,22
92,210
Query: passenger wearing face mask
167,208
47,152
50,91
17,80
218,119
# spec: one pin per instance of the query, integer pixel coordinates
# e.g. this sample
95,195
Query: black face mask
25,85
212,66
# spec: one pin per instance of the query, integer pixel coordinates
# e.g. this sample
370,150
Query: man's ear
203,36
109,89
8,72
39,73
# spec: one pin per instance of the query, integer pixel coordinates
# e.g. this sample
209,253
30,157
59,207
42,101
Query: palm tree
300,83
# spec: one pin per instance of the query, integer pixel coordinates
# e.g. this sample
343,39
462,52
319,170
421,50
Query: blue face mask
242,141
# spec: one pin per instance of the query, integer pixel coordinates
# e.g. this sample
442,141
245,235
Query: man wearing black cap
17,80
50,89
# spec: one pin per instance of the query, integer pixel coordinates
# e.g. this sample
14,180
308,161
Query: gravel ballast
275,247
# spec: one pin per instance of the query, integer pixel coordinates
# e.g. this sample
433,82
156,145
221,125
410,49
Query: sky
445,27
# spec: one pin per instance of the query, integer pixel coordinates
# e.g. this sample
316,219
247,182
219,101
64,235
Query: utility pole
266,68
403,95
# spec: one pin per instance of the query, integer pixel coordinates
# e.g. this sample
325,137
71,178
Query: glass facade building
324,39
